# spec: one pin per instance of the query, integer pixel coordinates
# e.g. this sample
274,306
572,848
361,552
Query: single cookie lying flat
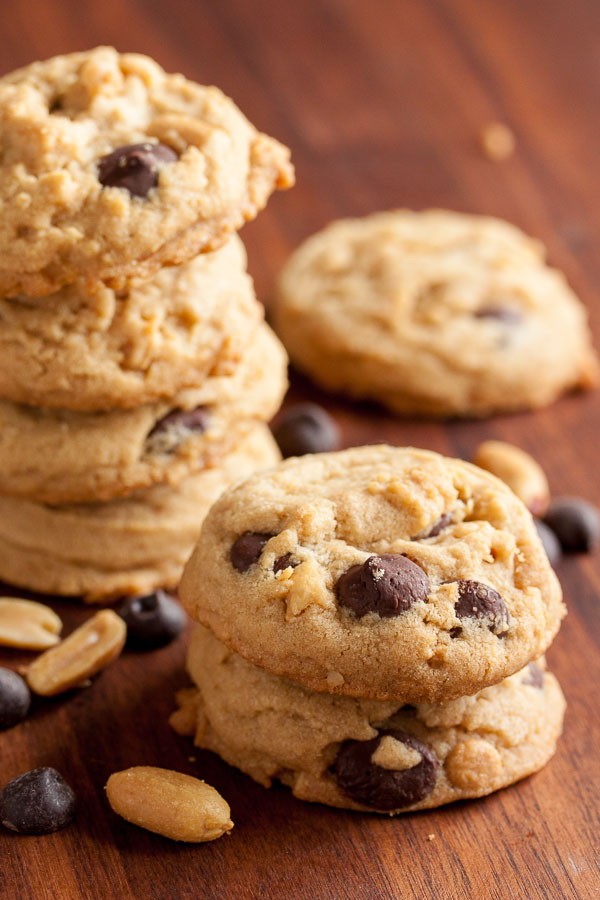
58,456
111,167
363,754
433,313
378,572
99,551
90,348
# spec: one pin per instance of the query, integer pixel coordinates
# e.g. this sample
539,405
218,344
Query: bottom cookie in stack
376,756
99,551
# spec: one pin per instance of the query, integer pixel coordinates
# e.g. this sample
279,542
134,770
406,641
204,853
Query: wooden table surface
382,103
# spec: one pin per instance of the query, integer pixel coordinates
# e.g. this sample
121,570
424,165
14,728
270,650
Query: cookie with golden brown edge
90,348
377,572
376,756
99,551
111,167
433,313
60,456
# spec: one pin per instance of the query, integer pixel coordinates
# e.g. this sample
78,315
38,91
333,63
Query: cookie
59,456
378,572
99,551
369,755
111,167
90,348
433,313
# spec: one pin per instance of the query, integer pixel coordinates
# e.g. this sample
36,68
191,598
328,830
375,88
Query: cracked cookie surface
378,572
365,754
110,166
60,456
433,313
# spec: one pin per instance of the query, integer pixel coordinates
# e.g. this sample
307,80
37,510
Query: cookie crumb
192,758
497,141
431,837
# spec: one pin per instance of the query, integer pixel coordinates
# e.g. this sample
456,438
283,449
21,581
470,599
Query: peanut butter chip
392,754
473,764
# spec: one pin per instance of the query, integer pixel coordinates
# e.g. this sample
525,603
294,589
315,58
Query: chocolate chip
438,526
480,601
388,585
246,550
549,541
507,314
282,562
192,419
134,166
37,802
15,698
384,789
152,620
306,428
576,524
534,677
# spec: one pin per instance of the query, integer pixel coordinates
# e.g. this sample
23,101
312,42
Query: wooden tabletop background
382,103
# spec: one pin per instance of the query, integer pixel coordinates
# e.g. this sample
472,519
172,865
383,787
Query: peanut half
27,624
174,805
87,650
524,476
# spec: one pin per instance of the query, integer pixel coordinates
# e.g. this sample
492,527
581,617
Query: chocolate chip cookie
385,757
99,551
60,456
377,572
90,348
110,167
433,313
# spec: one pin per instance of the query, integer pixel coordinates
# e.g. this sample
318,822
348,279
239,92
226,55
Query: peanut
27,624
497,141
174,805
518,470
85,652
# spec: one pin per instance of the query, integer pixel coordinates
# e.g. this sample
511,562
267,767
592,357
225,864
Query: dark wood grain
382,103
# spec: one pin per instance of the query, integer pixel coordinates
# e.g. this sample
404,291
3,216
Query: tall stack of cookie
372,629
136,372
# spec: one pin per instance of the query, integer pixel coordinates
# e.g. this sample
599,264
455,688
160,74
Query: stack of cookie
136,373
372,629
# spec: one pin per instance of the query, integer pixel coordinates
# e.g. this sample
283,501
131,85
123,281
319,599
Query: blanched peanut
27,624
524,476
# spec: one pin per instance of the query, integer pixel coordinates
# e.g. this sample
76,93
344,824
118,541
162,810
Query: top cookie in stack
135,355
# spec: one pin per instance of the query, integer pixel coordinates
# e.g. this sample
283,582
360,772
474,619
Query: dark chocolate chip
306,428
15,698
506,314
455,632
134,166
534,677
192,419
549,541
152,620
282,562
576,524
37,802
384,789
439,525
388,585
246,550
480,601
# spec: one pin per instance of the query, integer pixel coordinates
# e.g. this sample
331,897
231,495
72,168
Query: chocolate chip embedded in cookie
433,313
112,167
378,572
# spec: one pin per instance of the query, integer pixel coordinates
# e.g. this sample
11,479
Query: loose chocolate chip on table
192,419
549,541
134,166
15,698
388,585
152,620
480,601
534,677
506,314
384,789
576,524
246,550
37,802
306,428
